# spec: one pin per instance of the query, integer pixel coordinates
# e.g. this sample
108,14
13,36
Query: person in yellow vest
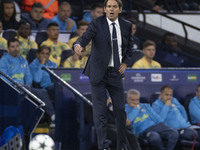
3,42
76,60
52,41
24,31
149,50
81,28
50,7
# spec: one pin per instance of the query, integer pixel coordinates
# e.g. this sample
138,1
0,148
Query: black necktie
115,48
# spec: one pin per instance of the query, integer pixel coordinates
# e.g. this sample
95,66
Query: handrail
181,22
35,98
68,86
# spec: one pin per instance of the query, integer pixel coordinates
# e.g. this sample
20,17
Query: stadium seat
64,55
136,55
31,55
2,51
41,37
8,34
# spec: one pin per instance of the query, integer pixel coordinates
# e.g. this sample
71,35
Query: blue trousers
156,133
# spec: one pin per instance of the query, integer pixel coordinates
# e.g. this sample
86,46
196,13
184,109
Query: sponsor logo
66,76
156,77
82,77
192,77
174,78
138,78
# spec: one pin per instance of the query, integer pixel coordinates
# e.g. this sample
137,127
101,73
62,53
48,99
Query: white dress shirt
119,41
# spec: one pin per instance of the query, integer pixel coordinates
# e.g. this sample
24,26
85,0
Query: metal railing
184,25
39,102
81,100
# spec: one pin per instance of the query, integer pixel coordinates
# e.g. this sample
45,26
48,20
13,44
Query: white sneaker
52,125
53,117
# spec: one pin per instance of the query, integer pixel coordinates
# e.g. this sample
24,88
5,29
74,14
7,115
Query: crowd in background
27,16
39,15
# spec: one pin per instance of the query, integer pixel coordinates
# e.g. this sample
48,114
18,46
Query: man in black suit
110,54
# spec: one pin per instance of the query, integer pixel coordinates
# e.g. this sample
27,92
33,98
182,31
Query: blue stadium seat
31,55
64,55
136,55
10,33
41,37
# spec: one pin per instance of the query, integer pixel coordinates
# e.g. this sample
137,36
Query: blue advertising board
148,81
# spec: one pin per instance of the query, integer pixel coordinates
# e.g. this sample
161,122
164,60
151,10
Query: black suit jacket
98,32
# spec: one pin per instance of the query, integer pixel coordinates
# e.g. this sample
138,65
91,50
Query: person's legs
188,134
165,133
171,135
99,98
155,140
116,91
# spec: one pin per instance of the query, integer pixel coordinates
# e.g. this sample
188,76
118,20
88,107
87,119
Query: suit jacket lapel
106,29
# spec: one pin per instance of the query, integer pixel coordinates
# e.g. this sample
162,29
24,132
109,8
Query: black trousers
111,83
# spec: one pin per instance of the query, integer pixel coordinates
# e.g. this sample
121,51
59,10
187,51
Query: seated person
3,42
35,19
8,15
52,41
170,39
145,123
16,67
82,27
39,75
149,50
63,18
24,31
76,60
194,107
95,11
174,114
136,40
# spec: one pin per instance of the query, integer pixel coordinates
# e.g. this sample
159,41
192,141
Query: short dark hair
23,23
82,23
118,1
165,87
37,5
12,40
166,35
148,43
41,48
52,24
64,3
96,5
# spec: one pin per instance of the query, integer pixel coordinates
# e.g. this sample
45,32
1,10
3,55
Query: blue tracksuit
194,110
143,118
174,116
39,75
17,68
